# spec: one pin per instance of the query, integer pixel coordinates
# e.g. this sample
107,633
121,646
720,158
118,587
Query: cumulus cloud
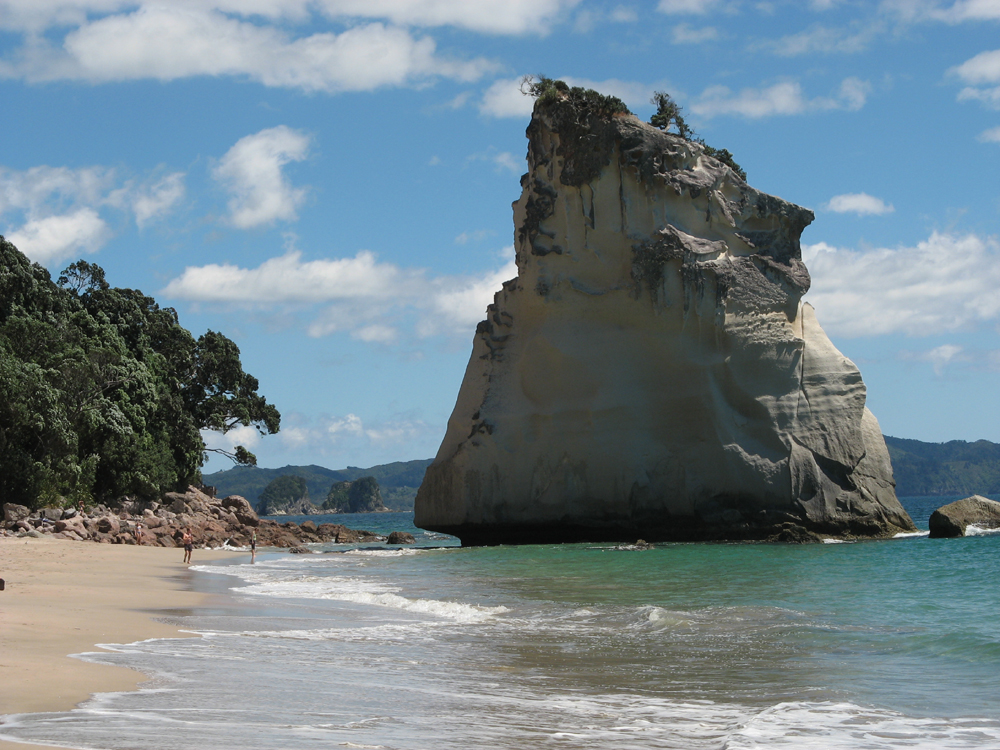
505,98
53,213
155,200
982,73
252,172
785,98
990,136
945,283
361,296
861,204
983,68
289,279
191,39
56,238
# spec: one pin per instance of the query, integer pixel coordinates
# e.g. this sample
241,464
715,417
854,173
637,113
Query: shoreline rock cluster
212,522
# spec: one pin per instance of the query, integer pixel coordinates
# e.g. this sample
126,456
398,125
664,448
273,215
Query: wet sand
64,597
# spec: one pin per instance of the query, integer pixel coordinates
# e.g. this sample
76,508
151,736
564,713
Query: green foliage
953,468
668,112
547,92
282,492
102,393
338,499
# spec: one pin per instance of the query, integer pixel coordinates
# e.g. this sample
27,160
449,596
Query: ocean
876,644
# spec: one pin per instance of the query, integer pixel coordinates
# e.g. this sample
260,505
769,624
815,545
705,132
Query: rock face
954,518
652,370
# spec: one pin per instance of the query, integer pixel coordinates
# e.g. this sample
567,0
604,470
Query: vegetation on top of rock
360,496
547,91
668,112
103,393
281,493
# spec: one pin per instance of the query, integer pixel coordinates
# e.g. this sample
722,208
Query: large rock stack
652,371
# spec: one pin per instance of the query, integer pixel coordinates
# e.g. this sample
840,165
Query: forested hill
398,480
103,394
952,468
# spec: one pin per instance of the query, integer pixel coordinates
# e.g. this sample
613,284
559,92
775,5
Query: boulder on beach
652,370
954,518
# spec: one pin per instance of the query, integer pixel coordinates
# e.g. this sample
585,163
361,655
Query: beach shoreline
65,597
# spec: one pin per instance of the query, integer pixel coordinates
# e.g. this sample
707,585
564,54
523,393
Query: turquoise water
731,646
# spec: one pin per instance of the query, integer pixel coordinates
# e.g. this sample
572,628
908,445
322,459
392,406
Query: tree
668,113
103,394
221,396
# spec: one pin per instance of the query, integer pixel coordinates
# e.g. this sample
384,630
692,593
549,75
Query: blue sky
328,182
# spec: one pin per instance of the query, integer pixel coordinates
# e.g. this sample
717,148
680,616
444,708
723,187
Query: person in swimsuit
188,545
138,533
253,545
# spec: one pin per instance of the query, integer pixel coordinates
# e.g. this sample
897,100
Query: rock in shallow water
652,370
954,518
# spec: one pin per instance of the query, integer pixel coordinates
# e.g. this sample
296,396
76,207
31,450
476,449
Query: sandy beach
63,597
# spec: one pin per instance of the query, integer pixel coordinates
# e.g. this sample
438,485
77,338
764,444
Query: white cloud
289,279
502,160
989,97
489,16
861,204
350,435
983,68
55,212
968,10
695,7
247,436
685,34
457,305
45,189
252,172
990,136
151,202
825,39
504,98
945,283
937,357
784,98
369,300
184,40
979,72
56,238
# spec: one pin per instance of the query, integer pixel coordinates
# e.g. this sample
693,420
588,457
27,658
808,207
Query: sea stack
652,371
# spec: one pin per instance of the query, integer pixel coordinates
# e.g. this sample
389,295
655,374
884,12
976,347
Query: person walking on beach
188,541
253,545
138,532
